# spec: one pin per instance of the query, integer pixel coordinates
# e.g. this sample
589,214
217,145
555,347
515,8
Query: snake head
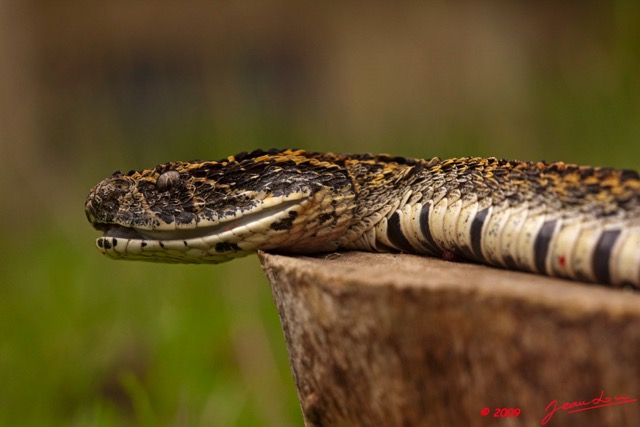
210,212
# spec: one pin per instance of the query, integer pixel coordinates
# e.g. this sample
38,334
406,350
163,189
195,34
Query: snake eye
168,180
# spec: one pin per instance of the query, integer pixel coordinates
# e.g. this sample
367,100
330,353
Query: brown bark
401,340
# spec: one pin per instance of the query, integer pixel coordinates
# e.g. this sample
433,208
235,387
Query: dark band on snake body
570,221
510,263
426,231
602,255
541,248
476,234
396,236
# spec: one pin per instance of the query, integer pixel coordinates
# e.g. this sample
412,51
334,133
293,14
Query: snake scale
557,219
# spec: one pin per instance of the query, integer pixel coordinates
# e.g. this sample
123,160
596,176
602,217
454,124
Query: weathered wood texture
400,340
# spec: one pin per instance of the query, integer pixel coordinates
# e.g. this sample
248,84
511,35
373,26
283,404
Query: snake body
557,219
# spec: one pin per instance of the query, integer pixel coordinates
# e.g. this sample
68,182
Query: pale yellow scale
584,247
381,234
560,260
625,257
510,231
492,233
450,225
526,237
437,216
410,220
465,219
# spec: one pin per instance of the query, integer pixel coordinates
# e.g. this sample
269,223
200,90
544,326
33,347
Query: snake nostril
121,185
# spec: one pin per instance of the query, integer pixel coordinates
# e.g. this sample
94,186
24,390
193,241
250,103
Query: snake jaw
283,223
208,242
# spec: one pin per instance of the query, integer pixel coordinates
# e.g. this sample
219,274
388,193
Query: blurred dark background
86,89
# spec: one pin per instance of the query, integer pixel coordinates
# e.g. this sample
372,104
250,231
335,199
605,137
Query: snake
556,219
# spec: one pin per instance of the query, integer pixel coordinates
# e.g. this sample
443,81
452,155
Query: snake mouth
120,232
203,229
208,242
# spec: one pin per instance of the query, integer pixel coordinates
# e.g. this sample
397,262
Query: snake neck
381,185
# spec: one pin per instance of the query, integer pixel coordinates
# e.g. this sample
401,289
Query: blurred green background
86,89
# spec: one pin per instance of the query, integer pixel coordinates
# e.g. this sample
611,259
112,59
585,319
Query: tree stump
401,340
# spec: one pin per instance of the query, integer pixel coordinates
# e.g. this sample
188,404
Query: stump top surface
373,270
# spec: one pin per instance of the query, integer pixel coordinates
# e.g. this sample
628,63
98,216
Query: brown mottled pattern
557,219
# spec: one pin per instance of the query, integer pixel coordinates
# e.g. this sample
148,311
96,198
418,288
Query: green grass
86,341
